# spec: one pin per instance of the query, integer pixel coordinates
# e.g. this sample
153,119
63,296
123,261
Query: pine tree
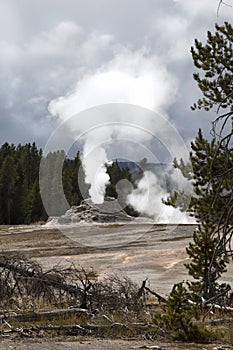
116,174
205,267
36,211
67,179
51,184
8,178
80,187
179,314
6,150
214,60
203,173
73,177
208,259
212,164
27,160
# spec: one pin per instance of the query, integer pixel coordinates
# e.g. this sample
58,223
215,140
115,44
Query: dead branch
84,329
158,296
47,315
143,288
23,278
221,2
24,282
220,320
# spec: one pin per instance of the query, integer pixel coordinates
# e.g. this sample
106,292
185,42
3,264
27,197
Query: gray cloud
48,46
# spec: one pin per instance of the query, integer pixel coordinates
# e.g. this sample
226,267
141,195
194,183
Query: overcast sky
51,48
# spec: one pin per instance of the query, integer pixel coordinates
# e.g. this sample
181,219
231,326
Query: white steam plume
94,160
147,199
131,78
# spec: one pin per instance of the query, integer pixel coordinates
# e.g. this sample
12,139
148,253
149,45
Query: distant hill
136,167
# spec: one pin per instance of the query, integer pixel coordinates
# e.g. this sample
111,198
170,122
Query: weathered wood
213,306
157,347
158,296
35,272
220,320
144,287
86,328
48,315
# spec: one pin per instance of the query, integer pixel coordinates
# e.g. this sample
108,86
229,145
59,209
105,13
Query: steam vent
107,212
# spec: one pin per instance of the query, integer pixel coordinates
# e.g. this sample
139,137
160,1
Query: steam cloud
94,160
133,78
151,189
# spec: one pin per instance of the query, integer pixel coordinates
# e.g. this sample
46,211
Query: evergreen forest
20,198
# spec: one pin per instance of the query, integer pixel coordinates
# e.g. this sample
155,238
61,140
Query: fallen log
82,328
48,315
220,320
87,326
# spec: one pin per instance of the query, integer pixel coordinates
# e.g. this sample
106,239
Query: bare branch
221,2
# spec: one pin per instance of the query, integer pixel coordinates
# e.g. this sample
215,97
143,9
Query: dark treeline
20,198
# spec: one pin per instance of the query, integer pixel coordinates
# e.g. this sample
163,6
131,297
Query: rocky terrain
89,212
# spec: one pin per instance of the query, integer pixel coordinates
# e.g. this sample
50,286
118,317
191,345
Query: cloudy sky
60,57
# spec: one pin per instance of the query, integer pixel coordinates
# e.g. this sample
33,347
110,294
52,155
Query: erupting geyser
89,212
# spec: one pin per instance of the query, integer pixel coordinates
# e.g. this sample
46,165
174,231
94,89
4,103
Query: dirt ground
156,252
139,251
100,344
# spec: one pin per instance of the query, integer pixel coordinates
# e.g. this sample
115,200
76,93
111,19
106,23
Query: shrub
178,316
